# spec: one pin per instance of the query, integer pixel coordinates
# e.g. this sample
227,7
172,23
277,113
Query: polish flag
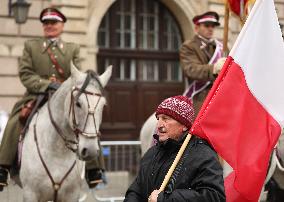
238,6
243,113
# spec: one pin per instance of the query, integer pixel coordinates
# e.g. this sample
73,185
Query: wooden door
141,40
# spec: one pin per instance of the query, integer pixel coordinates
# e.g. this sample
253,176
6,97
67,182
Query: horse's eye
78,104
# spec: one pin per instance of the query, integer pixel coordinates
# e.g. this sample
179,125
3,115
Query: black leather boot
94,177
3,177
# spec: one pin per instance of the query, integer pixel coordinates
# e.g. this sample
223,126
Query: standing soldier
201,58
44,65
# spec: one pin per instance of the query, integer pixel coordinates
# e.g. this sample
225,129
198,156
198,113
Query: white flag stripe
263,68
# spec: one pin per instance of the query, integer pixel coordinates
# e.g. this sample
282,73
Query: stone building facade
84,18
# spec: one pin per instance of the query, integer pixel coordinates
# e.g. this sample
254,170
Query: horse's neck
58,111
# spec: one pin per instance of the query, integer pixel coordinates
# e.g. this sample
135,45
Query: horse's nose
84,153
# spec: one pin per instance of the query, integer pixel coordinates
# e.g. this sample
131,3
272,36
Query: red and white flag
243,113
238,6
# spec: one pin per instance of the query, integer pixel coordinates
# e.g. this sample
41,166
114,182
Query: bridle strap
55,186
91,112
90,74
67,142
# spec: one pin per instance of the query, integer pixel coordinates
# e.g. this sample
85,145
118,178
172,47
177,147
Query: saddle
26,111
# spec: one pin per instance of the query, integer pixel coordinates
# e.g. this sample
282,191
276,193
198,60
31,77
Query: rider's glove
218,65
53,86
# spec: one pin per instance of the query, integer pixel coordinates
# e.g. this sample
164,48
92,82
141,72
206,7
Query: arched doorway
141,40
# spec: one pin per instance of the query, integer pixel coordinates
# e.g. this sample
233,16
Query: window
141,39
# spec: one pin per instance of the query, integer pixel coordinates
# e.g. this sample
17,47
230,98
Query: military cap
51,13
208,17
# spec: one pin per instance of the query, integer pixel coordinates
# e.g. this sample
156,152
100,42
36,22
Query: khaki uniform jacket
194,60
35,66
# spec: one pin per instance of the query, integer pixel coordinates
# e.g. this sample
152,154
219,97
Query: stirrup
94,183
94,177
3,177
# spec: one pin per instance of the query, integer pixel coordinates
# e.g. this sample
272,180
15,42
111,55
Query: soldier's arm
193,66
29,78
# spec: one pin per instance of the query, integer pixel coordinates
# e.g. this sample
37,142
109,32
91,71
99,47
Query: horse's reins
76,130
68,142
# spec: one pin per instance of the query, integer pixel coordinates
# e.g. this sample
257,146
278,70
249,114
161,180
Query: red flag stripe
242,118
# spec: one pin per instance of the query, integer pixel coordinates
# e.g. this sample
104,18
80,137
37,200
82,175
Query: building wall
84,17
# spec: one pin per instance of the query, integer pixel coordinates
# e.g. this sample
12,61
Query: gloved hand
53,86
218,65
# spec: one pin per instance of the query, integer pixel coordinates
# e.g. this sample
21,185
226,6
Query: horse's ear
75,73
104,78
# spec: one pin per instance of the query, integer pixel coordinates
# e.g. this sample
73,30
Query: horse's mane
90,75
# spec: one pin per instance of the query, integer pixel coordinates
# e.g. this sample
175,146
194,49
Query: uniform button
53,66
55,56
53,48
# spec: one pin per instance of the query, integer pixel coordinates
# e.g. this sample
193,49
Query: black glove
53,86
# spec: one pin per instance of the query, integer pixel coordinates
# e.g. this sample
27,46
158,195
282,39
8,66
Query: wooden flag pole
173,166
226,29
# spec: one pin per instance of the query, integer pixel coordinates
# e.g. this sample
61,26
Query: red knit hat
179,108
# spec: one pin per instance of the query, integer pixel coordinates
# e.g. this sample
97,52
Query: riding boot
94,177
3,177
95,170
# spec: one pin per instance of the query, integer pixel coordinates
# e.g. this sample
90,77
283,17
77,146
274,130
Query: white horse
146,133
64,130
3,122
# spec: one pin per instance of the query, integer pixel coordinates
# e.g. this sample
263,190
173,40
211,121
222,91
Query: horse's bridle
91,113
73,144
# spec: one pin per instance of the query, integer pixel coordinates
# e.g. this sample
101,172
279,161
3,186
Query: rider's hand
53,86
218,65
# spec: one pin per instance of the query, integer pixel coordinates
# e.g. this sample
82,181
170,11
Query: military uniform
197,57
194,61
35,69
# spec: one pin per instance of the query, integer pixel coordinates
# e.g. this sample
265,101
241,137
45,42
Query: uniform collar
58,43
207,41
204,42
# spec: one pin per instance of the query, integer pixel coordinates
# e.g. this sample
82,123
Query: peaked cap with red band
179,108
52,14
208,17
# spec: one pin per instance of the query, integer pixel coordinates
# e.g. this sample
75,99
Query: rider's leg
95,171
8,147
3,176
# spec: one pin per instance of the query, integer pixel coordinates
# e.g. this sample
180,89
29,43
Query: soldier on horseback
201,58
45,64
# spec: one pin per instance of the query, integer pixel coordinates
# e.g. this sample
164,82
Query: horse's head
86,107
